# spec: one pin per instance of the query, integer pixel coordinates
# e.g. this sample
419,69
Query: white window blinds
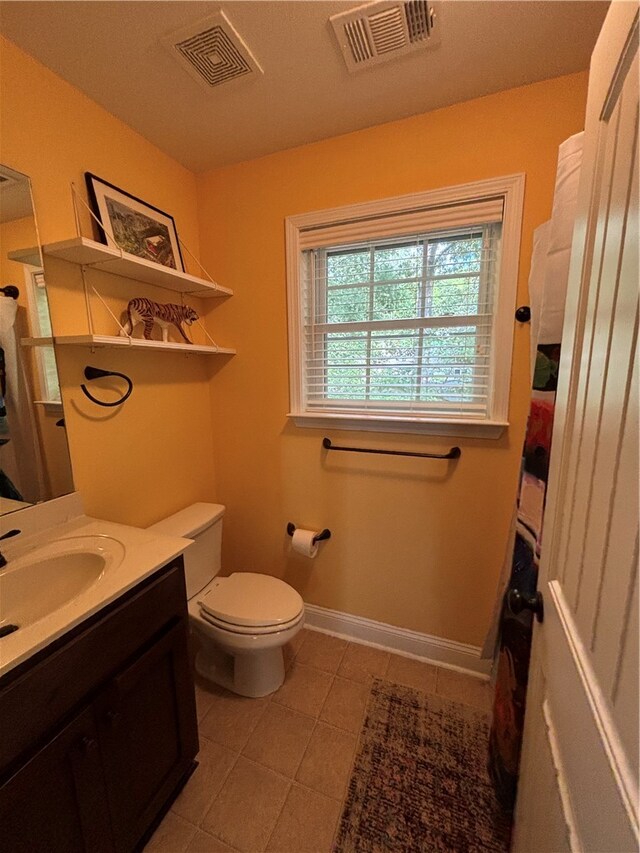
402,323
398,311
401,223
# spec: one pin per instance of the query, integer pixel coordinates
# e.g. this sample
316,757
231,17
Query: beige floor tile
307,823
290,650
214,763
326,765
465,689
172,836
322,651
204,843
345,704
362,663
246,810
298,640
412,673
289,655
280,739
204,699
305,689
231,718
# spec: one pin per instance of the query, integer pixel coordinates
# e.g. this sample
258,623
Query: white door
579,772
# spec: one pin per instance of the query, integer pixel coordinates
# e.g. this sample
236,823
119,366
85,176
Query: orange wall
410,545
152,456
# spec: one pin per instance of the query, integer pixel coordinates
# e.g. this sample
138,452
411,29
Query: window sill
421,426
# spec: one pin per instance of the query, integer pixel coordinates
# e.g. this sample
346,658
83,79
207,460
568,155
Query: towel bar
454,453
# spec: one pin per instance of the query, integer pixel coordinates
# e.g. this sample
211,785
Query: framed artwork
137,227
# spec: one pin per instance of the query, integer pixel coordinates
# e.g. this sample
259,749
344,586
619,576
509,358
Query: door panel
148,734
581,732
56,803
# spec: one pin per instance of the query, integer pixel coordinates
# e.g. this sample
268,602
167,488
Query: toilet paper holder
324,534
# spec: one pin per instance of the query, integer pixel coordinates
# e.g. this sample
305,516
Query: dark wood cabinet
56,801
146,735
102,767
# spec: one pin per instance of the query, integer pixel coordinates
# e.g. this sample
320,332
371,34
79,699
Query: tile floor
273,772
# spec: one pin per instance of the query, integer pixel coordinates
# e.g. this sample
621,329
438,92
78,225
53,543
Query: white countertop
145,552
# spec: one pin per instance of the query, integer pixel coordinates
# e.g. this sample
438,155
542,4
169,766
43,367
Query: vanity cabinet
94,772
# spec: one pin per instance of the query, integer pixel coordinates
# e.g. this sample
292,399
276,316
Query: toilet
242,621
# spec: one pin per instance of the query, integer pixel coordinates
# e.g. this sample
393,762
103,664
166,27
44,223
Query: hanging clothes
4,424
547,285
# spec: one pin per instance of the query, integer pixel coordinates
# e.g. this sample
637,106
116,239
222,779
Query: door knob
518,602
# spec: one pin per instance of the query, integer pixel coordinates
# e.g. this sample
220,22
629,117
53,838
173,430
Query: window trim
511,189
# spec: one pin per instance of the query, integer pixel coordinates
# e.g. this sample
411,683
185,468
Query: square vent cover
212,52
383,31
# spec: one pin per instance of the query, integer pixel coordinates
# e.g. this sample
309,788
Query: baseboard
402,641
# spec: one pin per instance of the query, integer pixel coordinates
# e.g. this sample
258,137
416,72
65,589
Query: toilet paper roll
302,542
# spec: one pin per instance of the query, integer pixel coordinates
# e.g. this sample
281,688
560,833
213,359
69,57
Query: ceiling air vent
382,31
212,51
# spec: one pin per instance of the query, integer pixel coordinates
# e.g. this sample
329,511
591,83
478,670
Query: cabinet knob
87,744
112,717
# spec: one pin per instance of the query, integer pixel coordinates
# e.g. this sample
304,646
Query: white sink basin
63,568
44,579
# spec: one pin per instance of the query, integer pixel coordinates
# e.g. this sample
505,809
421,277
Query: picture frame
138,228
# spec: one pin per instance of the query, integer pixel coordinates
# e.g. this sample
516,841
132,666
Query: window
41,328
401,311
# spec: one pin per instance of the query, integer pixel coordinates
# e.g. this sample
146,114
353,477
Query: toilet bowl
241,622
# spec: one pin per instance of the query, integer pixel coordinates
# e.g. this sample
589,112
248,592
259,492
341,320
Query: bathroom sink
45,579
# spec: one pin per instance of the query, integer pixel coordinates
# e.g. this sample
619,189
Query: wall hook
523,314
98,373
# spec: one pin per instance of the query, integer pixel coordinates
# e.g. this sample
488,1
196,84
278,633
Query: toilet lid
248,598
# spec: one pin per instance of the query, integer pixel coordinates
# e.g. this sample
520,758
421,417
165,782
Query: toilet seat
245,629
250,603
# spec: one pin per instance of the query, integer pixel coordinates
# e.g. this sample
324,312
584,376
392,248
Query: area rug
419,781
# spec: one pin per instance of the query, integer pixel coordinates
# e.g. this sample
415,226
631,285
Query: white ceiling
112,51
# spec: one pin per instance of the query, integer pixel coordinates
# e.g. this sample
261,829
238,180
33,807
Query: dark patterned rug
420,781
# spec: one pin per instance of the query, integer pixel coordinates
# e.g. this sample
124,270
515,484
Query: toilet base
254,675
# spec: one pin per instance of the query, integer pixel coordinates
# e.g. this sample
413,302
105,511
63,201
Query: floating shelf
36,342
115,341
85,252
29,256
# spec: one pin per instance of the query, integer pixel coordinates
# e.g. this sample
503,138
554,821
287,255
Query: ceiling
113,52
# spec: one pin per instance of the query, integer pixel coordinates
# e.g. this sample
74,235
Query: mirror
34,455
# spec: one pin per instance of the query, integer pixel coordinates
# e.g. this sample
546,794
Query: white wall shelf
118,341
36,342
85,252
29,256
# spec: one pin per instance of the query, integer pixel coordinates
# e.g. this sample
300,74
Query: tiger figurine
164,314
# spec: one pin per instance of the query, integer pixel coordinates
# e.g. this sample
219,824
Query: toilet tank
201,522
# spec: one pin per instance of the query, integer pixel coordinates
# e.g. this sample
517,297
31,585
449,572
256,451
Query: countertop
145,552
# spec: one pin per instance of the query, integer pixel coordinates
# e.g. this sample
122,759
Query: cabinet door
148,734
56,803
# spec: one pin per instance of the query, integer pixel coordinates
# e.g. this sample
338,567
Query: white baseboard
402,641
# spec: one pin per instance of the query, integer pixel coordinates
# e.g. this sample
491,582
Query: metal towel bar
453,453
